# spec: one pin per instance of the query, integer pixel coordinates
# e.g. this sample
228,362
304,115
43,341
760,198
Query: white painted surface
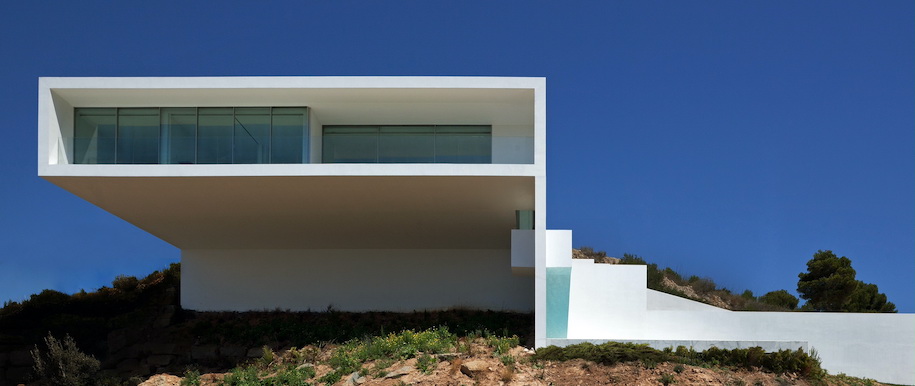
604,297
352,280
558,248
605,304
540,211
523,251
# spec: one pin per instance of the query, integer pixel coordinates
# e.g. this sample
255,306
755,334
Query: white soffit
343,100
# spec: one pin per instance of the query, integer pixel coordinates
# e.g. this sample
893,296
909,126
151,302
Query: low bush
63,364
779,362
350,356
607,353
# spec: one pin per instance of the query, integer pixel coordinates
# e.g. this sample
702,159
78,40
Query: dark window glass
407,144
350,145
138,136
288,136
189,135
214,135
252,135
94,136
179,135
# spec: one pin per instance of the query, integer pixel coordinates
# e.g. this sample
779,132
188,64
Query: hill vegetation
828,285
122,334
701,289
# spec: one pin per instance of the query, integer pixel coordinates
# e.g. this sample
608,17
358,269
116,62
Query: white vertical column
540,214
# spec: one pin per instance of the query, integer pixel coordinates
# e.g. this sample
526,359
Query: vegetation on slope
828,285
700,289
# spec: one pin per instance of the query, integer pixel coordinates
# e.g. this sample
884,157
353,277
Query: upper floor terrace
289,126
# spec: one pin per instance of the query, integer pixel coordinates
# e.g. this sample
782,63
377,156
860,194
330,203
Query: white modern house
385,193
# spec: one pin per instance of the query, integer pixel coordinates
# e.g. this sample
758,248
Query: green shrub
63,363
426,363
667,379
507,360
783,361
704,285
293,376
125,283
592,254
242,376
350,356
191,378
502,345
780,298
606,353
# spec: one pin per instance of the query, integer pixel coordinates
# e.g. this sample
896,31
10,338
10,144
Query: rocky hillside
478,361
136,328
138,332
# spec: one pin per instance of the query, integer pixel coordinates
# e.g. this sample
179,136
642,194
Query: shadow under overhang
315,212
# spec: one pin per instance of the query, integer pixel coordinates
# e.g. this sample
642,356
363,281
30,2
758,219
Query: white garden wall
611,302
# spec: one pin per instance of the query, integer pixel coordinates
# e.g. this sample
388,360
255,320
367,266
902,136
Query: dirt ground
482,368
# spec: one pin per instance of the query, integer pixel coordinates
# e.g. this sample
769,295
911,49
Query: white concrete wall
558,248
611,302
604,297
540,219
352,280
523,251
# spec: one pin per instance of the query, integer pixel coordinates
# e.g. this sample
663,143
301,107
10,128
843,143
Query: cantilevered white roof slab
311,205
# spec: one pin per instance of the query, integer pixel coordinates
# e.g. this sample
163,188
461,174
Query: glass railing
505,150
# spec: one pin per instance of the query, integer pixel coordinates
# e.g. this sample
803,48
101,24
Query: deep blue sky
724,139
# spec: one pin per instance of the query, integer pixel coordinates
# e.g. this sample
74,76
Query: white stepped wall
611,302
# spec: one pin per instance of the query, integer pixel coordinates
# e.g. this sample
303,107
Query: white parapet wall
352,280
611,302
558,248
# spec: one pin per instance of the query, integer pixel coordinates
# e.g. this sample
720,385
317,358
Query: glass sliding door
179,135
353,144
214,135
138,136
252,135
406,144
94,135
190,135
288,136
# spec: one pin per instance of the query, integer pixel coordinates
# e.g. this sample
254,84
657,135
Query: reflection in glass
252,135
138,136
406,144
214,142
94,136
179,135
463,144
189,135
288,135
356,144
